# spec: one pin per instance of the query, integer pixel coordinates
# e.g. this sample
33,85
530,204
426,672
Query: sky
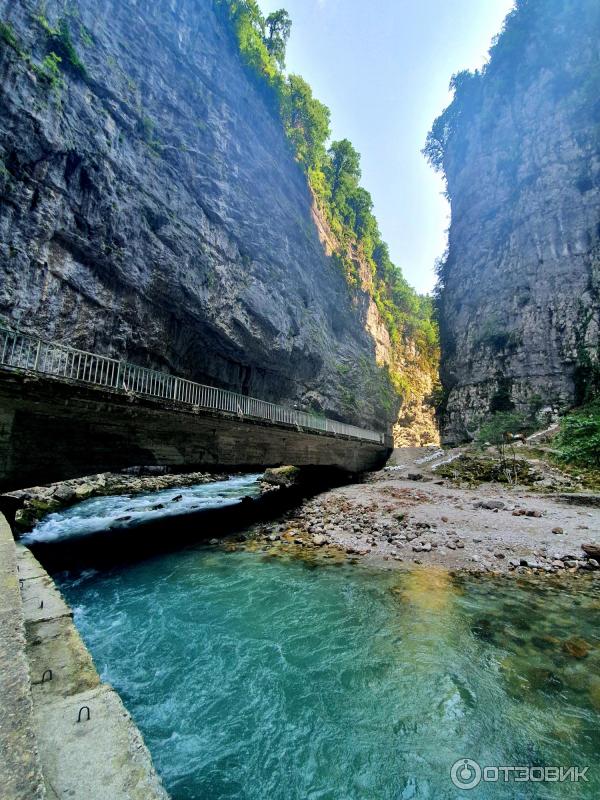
383,67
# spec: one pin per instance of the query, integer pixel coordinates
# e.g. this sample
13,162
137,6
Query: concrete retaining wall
46,677
20,769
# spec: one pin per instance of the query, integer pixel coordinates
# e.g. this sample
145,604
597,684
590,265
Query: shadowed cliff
152,209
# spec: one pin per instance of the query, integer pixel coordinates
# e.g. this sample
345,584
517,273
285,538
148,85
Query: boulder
63,494
591,550
84,491
281,476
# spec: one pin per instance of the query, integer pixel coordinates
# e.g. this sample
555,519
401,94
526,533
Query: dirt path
426,520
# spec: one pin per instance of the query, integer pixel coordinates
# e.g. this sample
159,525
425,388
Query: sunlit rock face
152,209
520,303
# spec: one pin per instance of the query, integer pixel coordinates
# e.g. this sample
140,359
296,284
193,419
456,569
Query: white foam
125,511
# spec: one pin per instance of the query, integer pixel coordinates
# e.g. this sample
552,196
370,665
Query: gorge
236,563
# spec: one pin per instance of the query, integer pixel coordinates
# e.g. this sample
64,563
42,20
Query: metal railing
23,352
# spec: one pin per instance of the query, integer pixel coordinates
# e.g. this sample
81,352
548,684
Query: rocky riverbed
405,514
491,528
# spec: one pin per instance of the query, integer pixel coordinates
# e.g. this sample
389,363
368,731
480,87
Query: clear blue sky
382,67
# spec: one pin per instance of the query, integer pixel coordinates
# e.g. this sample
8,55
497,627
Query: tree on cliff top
333,174
306,122
278,26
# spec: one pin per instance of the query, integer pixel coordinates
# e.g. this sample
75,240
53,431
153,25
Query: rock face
520,289
416,424
152,210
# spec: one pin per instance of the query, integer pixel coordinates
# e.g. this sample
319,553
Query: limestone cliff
413,366
520,288
152,209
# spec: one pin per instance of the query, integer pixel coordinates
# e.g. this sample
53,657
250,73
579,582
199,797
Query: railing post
37,355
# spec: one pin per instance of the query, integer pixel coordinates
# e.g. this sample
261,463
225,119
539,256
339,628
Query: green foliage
49,71
334,176
502,400
500,428
7,35
306,123
250,30
534,34
438,399
466,87
61,42
147,130
497,338
278,26
472,471
499,431
586,376
578,441
86,36
45,25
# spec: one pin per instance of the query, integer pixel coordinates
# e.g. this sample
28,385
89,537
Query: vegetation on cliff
531,38
525,120
579,439
333,172
514,59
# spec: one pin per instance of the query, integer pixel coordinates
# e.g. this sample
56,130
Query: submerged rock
576,647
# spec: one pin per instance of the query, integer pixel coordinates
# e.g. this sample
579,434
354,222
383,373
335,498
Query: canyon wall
152,209
520,287
413,368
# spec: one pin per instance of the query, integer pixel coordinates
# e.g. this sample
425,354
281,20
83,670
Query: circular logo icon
465,773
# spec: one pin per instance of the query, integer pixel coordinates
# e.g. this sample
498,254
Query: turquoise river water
269,676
